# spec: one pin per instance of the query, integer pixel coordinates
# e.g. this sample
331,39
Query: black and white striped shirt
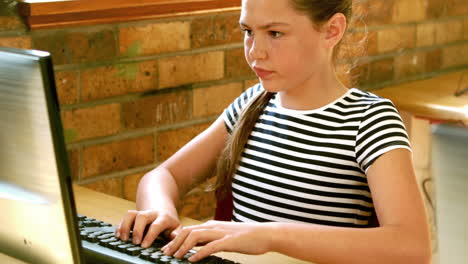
310,166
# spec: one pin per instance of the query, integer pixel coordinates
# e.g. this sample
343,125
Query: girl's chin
270,86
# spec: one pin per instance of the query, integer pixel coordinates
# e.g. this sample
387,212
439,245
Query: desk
111,209
433,98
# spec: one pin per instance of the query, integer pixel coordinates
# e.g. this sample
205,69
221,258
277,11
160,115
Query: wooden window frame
45,14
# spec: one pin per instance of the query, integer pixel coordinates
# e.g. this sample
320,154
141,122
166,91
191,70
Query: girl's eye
276,34
247,32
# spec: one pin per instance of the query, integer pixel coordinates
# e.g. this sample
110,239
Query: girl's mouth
262,73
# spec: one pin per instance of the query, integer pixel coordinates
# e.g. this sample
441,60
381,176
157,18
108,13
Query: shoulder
252,92
371,104
365,97
234,110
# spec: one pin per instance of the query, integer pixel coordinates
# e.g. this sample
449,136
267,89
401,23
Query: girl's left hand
219,236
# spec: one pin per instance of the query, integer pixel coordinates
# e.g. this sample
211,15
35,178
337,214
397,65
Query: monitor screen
36,202
449,170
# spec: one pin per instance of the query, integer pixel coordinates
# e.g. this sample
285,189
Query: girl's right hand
139,220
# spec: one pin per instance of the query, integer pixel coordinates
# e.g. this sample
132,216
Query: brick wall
132,93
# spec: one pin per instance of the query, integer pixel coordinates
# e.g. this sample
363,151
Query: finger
195,238
142,219
210,248
153,232
174,245
127,224
117,230
175,232
158,226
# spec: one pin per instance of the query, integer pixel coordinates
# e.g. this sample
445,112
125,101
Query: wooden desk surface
433,98
111,209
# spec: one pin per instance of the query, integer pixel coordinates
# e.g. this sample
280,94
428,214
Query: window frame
43,14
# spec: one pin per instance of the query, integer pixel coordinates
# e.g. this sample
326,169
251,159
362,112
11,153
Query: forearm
325,244
158,190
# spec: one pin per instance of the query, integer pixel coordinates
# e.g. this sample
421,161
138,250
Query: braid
227,163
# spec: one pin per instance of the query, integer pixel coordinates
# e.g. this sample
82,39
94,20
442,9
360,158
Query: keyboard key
122,247
150,249
102,235
81,217
165,260
155,258
134,251
105,242
106,236
145,255
114,245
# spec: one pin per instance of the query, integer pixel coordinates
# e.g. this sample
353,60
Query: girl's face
281,45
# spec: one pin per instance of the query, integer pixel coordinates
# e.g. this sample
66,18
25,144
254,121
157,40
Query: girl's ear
335,29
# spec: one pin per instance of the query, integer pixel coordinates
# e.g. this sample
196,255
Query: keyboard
101,246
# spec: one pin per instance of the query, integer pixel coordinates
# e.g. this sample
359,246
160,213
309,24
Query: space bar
94,253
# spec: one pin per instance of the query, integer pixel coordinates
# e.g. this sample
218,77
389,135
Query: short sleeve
233,111
380,131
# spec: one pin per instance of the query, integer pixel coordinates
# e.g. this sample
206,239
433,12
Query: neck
318,91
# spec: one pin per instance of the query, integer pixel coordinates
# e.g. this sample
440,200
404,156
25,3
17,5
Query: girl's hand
139,220
220,236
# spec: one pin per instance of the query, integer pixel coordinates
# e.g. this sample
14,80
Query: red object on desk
224,207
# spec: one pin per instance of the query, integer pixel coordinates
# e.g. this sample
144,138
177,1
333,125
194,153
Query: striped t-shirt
310,166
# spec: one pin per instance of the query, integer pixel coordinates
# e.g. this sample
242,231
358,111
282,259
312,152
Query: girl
306,160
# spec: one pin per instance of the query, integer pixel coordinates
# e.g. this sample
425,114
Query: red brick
103,82
154,38
198,204
213,100
359,73
171,141
465,29
450,31
130,186
409,10
456,55
76,46
215,30
408,65
117,156
236,65
381,71
179,70
456,7
396,38
436,8
10,23
91,46
378,12
112,186
426,34
433,60
67,87
93,122
16,42
158,110
53,42
74,163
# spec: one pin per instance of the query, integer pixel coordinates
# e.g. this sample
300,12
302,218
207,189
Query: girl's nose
258,50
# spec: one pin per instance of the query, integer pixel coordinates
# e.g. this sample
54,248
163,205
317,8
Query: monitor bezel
44,61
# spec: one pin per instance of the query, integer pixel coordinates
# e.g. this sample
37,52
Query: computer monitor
450,173
37,212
